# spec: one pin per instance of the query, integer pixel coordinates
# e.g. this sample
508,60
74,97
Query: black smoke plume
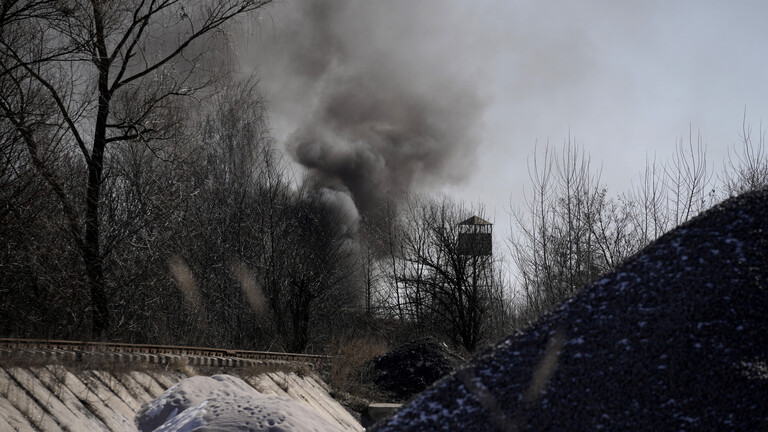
367,97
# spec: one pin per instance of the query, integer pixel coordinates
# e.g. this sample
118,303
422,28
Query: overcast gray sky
625,79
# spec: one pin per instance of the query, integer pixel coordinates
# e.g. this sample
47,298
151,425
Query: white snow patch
191,419
226,403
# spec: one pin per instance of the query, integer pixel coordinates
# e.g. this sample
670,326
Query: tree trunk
92,251
94,263
300,320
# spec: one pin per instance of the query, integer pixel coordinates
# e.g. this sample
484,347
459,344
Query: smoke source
366,98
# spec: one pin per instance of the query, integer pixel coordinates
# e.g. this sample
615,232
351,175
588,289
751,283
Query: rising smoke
365,97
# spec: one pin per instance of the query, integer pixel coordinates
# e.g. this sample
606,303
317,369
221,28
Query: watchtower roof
474,220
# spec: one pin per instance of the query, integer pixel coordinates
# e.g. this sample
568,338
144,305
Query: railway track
161,354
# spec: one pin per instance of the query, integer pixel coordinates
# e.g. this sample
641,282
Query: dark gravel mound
411,368
676,339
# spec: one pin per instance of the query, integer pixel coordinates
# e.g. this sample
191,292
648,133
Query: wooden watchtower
475,237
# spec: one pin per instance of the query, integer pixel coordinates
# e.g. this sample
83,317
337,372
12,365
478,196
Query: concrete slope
306,390
59,398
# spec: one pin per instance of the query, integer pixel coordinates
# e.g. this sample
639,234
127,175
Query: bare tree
648,196
381,235
219,232
112,71
322,264
561,241
571,231
443,287
209,201
688,181
746,168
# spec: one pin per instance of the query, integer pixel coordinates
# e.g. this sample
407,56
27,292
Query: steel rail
120,347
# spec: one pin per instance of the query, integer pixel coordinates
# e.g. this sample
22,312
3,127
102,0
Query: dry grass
349,372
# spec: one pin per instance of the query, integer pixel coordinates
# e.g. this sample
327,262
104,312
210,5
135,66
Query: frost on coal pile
225,403
412,367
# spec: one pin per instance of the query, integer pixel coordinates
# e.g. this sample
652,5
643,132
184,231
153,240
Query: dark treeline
207,239
143,199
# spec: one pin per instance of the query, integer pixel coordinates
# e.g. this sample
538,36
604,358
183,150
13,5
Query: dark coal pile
411,368
675,339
